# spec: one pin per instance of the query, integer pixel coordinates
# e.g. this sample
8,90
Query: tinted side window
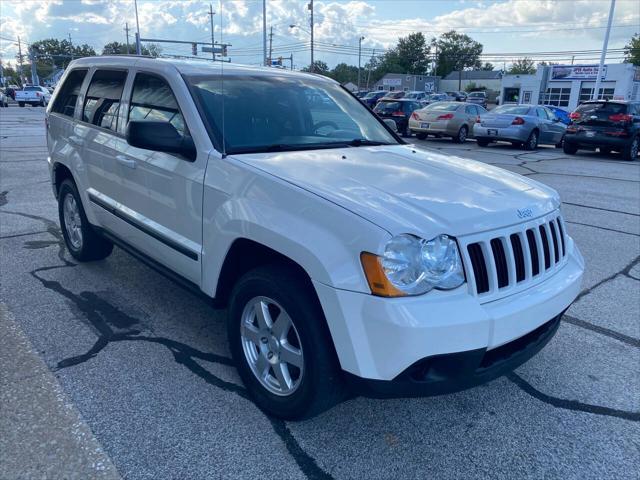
470,110
102,102
541,113
66,100
152,99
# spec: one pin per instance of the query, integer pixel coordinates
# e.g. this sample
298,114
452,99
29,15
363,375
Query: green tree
344,73
117,48
632,50
456,51
411,56
522,66
318,67
487,67
51,54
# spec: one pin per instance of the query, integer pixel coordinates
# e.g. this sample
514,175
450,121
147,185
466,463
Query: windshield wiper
359,142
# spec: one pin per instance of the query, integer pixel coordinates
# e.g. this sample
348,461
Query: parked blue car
561,113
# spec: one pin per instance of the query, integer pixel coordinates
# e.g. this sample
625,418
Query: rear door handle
122,160
77,141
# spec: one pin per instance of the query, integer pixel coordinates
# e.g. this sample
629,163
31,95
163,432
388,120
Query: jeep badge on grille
525,213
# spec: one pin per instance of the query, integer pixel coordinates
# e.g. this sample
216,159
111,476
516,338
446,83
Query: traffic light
194,49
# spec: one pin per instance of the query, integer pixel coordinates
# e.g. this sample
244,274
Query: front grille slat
500,261
516,258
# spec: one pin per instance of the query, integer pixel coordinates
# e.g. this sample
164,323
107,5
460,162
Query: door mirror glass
159,136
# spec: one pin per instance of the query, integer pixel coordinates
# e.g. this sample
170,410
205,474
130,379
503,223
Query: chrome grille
517,257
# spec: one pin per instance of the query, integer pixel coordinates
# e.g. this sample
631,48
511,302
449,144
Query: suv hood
404,189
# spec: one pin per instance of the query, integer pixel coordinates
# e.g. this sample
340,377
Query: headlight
412,266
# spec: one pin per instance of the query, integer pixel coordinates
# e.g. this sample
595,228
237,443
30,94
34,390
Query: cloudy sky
506,28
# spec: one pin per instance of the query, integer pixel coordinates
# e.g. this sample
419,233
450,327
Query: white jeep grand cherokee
349,260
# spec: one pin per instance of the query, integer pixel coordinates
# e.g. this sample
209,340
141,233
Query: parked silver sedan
522,125
448,119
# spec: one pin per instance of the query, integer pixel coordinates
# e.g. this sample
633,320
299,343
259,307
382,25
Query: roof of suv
188,67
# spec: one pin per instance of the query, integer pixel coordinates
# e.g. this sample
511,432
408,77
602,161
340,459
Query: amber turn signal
378,281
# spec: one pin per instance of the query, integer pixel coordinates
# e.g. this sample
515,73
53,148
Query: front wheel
81,239
281,345
630,152
560,143
532,141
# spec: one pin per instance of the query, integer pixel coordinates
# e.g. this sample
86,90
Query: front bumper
381,338
512,133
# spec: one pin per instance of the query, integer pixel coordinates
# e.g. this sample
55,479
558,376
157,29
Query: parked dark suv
607,125
399,110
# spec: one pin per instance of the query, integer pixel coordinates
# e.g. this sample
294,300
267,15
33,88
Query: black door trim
152,233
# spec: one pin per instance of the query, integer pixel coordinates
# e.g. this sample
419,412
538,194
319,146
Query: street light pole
211,14
359,59
138,46
604,52
264,32
310,6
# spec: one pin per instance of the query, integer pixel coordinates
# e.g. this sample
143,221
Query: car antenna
224,138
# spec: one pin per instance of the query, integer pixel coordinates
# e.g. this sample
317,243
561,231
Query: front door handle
127,162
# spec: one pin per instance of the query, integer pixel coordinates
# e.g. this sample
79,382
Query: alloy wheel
72,221
272,346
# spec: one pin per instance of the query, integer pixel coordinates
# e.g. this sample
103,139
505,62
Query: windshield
273,113
444,107
511,109
374,94
476,94
386,107
31,89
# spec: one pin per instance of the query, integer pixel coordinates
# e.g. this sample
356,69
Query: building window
392,88
603,93
380,87
555,96
406,89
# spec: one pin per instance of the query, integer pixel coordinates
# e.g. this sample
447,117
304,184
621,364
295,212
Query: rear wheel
461,137
569,148
482,142
630,152
421,136
281,345
532,141
560,143
81,239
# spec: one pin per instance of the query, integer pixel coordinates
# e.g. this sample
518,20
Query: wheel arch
59,173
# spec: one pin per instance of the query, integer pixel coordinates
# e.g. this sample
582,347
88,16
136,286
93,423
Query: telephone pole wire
211,14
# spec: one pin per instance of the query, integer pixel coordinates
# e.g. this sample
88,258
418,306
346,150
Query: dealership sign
392,82
577,72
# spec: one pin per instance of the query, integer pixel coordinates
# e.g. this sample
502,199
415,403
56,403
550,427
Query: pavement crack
573,405
601,208
105,317
625,271
5,237
634,342
603,228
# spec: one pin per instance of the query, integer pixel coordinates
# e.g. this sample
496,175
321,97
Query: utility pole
70,46
373,54
573,57
34,72
126,29
138,46
604,52
310,6
264,32
211,14
291,58
359,58
20,60
270,46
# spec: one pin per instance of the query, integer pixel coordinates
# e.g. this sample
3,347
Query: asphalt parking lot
143,366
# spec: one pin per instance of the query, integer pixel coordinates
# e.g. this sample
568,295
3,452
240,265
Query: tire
560,143
82,241
421,136
569,148
532,141
42,103
405,132
630,152
21,104
482,142
318,385
461,137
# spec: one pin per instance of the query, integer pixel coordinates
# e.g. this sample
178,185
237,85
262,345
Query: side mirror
159,136
391,124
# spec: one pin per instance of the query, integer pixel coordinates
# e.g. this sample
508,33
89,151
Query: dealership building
569,85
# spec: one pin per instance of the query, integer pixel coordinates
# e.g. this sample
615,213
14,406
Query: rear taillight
518,121
38,94
446,116
574,115
415,116
621,117
478,119
399,113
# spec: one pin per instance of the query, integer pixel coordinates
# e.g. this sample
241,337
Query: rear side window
102,102
601,109
444,107
153,100
69,91
470,110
